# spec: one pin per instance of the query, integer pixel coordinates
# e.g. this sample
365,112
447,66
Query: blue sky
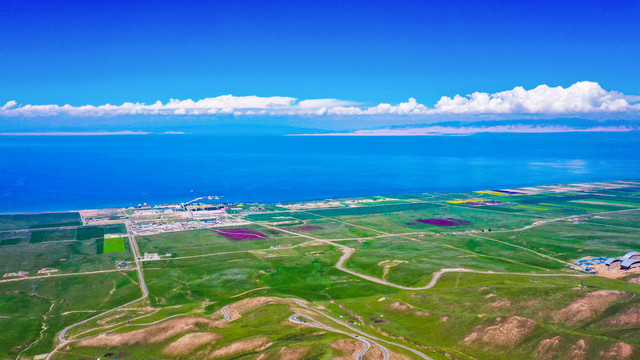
368,52
84,52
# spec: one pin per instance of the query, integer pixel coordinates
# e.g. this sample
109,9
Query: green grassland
24,305
271,320
521,251
305,275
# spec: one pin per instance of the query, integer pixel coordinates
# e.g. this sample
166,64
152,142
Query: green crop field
423,276
114,245
35,221
89,232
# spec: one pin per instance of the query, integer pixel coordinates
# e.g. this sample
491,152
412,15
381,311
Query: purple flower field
304,228
240,234
483,203
444,222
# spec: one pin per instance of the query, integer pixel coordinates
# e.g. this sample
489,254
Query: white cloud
9,105
580,98
470,130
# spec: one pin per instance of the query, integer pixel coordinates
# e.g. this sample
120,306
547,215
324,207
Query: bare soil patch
618,350
530,303
588,306
547,349
388,264
498,304
604,270
376,354
254,344
400,306
236,310
190,342
505,331
295,353
150,335
578,350
349,347
629,317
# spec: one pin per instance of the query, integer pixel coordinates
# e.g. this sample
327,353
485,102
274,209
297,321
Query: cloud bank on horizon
471,130
584,97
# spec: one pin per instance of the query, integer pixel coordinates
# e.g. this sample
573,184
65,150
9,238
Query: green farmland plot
38,236
35,221
13,241
110,245
89,232
114,245
115,229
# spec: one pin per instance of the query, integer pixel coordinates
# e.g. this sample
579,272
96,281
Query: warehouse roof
628,262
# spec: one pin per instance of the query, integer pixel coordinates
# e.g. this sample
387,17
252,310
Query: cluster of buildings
121,264
154,256
25,273
589,265
47,271
13,274
629,261
156,228
201,207
334,203
280,246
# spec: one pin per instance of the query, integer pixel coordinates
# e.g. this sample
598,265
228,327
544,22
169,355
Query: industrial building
630,260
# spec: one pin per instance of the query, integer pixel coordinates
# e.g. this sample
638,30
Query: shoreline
630,182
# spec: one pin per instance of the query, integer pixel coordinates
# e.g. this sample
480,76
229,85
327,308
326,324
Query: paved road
128,325
225,314
299,302
143,286
434,279
137,257
348,252
295,318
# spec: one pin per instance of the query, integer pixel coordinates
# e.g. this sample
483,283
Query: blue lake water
46,173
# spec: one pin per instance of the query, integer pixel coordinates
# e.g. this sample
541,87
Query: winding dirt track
309,321
348,252
143,287
367,336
